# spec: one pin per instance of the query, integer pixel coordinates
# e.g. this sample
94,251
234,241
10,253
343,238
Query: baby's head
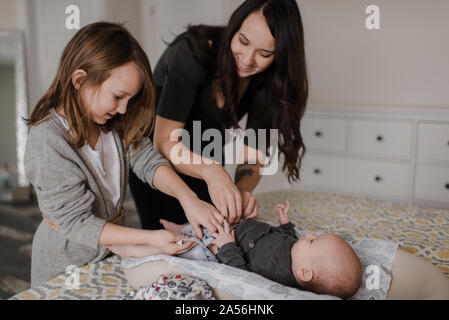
326,264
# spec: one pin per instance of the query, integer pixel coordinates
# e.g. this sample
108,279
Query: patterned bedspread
423,232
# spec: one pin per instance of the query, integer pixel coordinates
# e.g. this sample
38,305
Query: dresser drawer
358,176
432,183
325,134
327,172
382,178
433,141
386,138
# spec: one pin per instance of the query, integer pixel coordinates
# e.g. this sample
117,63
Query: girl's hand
282,212
223,192
168,242
200,213
250,209
224,235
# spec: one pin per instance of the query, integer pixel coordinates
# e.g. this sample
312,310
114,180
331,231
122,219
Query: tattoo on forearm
243,171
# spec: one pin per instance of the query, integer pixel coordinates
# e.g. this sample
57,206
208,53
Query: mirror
13,106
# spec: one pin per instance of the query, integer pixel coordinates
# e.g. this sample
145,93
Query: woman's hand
250,208
200,213
224,235
169,243
282,212
223,192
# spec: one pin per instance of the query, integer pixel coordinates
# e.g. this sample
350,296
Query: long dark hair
98,48
285,79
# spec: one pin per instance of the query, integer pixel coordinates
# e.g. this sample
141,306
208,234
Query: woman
254,65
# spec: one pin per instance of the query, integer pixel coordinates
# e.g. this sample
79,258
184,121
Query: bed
423,232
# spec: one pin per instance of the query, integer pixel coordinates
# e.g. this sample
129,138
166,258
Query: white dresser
398,153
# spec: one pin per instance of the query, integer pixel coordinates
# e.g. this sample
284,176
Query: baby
324,264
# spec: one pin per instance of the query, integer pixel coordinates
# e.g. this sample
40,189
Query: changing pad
376,257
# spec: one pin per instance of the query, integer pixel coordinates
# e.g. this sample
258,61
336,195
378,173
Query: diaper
173,287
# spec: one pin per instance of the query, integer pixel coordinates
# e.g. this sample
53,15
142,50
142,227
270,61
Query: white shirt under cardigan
105,153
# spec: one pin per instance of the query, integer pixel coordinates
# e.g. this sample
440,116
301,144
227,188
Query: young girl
89,128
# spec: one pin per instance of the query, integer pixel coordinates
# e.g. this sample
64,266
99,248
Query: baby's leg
171,226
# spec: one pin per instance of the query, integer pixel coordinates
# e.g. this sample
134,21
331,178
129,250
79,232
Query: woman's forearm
187,162
167,140
247,176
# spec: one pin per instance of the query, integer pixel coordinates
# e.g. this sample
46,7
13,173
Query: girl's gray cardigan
70,197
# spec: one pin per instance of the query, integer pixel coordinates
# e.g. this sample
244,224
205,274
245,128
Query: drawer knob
317,171
318,134
447,186
378,178
379,138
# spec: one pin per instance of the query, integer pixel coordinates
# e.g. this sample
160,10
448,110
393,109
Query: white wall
405,63
162,20
44,22
8,14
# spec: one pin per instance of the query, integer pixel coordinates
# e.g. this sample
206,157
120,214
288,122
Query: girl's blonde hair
97,49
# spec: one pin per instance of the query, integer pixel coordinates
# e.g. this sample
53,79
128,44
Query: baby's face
316,248
114,93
